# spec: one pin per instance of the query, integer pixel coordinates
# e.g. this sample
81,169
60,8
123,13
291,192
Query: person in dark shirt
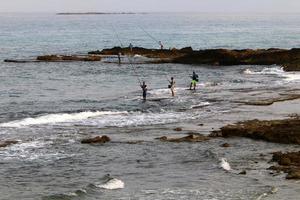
195,79
144,88
172,86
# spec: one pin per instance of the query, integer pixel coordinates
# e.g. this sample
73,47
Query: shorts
194,82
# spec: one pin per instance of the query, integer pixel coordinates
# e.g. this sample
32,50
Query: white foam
292,76
112,184
266,71
101,119
57,118
225,165
288,76
135,119
202,104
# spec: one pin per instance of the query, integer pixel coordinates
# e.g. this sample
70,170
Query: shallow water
50,107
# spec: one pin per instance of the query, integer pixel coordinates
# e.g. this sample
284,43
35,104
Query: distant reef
98,13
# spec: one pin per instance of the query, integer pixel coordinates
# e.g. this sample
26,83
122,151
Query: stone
178,129
243,172
189,138
96,139
226,145
7,143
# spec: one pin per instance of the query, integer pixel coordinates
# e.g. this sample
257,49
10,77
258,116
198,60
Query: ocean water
50,107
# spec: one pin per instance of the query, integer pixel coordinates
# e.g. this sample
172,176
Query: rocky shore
285,131
288,59
287,162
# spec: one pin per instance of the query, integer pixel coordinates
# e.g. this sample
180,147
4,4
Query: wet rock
293,174
243,172
287,162
225,145
97,139
135,142
267,102
178,129
280,131
189,138
7,143
60,58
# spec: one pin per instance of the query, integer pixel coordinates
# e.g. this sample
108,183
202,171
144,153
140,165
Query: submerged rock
287,162
97,139
189,138
243,172
225,145
280,131
178,129
7,143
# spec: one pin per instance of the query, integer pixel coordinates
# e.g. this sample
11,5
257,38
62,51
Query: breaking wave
101,119
278,71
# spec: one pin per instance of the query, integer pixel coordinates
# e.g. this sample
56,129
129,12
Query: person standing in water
195,79
172,86
130,47
119,58
161,45
144,88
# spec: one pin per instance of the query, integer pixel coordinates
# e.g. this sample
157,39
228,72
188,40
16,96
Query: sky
267,6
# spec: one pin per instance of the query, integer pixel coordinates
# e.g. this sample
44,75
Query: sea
50,107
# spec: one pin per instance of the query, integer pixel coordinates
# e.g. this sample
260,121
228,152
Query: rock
200,124
189,138
163,138
7,143
97,139
61,58
243,172
287,162
280,131
135,142
226,145
178,129
293,174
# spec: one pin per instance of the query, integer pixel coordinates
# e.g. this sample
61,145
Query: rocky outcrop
165,55
289,59
97,139
7,143
60,58
270,101
189,138
279,131
287,162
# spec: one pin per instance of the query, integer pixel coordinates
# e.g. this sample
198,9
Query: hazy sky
150,5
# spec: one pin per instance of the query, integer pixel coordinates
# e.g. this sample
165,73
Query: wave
58,118
101,119
288,76
112,184
266,71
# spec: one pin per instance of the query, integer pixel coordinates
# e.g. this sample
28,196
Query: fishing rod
152,37
129,60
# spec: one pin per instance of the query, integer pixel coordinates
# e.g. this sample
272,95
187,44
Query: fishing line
129,60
